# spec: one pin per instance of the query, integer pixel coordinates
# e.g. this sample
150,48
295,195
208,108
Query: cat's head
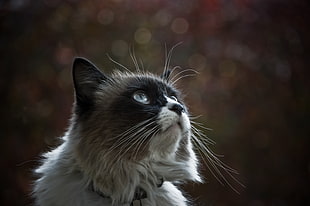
129,116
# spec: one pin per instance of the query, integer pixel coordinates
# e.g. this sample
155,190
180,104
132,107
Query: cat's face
128,116
136,118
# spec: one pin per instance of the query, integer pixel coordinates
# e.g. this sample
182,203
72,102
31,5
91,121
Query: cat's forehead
148,82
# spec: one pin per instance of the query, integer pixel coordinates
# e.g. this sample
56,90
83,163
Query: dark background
252,88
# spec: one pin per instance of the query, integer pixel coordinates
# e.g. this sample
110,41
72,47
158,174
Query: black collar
140,193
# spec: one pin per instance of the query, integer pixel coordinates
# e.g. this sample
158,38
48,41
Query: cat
129,140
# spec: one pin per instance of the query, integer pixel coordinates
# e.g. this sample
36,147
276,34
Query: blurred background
252,89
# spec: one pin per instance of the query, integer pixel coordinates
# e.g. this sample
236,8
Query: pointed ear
86,79
166,74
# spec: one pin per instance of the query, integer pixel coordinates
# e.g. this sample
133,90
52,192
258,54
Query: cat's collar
140,193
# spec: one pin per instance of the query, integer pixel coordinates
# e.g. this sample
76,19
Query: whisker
131,132
174,68
135,126
181,72
118,64
202,155
137,140
134,58
218,172
168,56
202,136
212,161
216,161
199,124
194,117
142,65
126,147
127,142
149,135
146,133
187,75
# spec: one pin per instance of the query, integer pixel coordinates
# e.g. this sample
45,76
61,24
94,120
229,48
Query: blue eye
141,97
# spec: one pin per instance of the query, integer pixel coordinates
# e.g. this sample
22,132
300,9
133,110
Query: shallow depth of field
252,87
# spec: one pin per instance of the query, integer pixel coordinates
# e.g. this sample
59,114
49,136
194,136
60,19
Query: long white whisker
194,117
127,142
213,157
148,135
122,138
187,75
137,138
199,124
169,55
182,72
134,59
134,127
175,68
215,164
216,161
206,163
172,71
202,136
126,147
131,132
142,65
118,64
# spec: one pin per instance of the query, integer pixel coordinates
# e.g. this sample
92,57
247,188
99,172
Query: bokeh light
179,26
143,36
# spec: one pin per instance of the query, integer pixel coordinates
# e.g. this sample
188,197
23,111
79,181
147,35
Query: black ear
166,74
86,79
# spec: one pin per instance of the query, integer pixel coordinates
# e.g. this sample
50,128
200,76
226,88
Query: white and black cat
130,139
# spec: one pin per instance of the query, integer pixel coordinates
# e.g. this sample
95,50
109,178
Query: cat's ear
166,74
86,79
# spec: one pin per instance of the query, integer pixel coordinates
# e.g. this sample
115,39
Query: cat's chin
180,125
176,127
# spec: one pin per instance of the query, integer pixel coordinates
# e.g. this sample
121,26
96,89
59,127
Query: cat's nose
177,108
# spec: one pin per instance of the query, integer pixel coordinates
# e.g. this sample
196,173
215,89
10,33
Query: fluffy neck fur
63,181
